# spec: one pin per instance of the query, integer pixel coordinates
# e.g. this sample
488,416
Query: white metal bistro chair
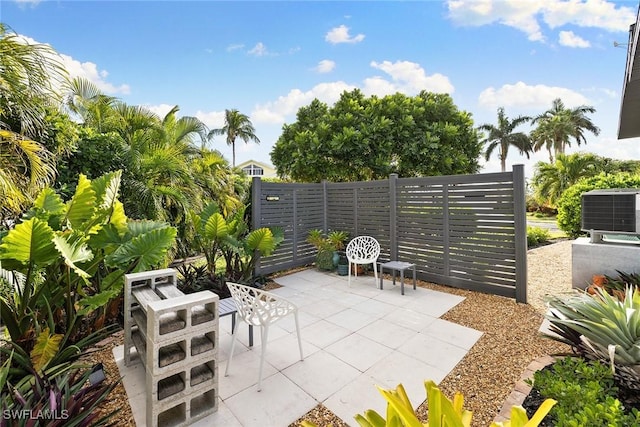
363,250
260,308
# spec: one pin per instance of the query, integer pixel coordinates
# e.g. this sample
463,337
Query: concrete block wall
148,279
588,259
180,362
185,390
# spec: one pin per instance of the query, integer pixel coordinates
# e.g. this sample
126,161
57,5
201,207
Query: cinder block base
589,259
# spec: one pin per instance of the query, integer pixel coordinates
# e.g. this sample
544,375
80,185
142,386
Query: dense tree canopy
363,138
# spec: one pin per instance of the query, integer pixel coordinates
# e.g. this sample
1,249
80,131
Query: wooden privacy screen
467,231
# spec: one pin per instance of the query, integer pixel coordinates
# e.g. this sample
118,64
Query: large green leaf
49,201
215,228
74,251
82,206
209,210
144,250
107,187
261,240
137,228
29,242
108,239
96,301
47,345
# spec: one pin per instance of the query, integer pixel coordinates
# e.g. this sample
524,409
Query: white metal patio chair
260,308
363,250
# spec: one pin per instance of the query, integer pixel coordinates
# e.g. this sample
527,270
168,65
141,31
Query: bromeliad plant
61,396
601,327
442,411
68,261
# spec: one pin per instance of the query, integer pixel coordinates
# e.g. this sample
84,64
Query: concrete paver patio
353,338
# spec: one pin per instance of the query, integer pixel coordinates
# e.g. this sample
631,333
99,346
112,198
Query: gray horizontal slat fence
466,231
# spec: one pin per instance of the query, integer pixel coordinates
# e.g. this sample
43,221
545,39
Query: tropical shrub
442,411
570,203
229,237
68,262
537,235
585,392
326,246
61,396
601,327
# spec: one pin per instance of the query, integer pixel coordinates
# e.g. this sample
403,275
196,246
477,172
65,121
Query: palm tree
552,179
503,136
236,125
559,124
26,73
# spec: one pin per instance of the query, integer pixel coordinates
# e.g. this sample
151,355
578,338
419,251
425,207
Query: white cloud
341,35
259,50
90,71
569,39
405,77
213,119
527,16
276,111
408,77
160,110
87,70
233,47
32,3
518,14
589,13
526,96
325,66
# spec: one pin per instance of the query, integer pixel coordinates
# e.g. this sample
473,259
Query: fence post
446,230
393,222
325,208
256,213
520,225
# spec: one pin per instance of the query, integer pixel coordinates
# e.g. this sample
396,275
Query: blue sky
269,58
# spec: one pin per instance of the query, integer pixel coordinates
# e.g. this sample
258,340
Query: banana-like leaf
50,202
74,251
45,349
82,206
29,242
215,228
145,250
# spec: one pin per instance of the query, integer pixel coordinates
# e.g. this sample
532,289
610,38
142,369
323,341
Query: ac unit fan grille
610,212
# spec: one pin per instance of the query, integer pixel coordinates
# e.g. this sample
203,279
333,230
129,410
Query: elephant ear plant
67,262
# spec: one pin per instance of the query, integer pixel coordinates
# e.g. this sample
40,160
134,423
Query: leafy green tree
550,181
236,125
504,136
558,125
362,138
